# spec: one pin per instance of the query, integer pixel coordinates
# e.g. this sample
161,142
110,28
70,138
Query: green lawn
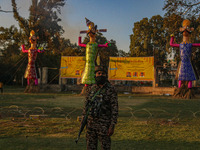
145,122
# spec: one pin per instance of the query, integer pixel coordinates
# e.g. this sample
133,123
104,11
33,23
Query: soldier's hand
110,130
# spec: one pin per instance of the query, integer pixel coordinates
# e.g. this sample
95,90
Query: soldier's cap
101,68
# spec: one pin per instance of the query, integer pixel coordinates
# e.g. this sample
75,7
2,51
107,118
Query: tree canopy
186,8
149,38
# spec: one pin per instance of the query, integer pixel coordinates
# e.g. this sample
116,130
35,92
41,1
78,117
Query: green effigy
88,74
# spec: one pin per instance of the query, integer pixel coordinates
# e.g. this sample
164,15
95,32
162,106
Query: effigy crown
186,22
32,33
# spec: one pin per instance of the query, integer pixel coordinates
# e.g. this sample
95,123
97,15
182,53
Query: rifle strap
101,89
92,99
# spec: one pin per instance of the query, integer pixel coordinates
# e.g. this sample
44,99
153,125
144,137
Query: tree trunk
184,92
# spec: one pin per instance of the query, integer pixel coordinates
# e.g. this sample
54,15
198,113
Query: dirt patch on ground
42,100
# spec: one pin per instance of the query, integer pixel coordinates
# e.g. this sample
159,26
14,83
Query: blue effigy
186,71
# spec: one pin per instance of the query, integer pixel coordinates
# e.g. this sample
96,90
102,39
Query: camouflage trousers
95,132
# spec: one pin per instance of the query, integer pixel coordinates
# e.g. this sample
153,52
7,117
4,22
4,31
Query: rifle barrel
84,122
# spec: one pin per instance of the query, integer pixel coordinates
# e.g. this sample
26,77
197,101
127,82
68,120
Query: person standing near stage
102,97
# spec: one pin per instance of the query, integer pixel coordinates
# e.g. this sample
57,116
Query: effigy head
186,29
92,29
33,38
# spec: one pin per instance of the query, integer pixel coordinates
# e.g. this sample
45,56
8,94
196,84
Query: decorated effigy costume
30,72
186,71
88,76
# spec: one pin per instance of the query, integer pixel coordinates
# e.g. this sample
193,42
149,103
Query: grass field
145,122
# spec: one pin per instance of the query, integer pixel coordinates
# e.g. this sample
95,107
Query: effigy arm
79,42
23,49
103,45
40,50
172,42
196,44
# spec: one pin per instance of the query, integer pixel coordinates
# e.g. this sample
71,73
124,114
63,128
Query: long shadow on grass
36,143
69,144
168,108
154,145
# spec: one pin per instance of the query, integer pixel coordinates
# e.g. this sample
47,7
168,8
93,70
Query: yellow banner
72,67
131,68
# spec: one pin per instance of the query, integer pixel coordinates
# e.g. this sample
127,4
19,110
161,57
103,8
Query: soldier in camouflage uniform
103,114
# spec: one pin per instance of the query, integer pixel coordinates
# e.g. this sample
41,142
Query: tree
5,11
149,39
9,36
158,39
182,7
139,39
171,25
9,40
122,53
69,49
44,20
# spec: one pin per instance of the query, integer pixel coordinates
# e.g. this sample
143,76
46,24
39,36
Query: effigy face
186,29
33,38
92,31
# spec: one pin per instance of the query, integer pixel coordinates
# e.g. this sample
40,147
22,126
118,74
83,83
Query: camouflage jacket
104,105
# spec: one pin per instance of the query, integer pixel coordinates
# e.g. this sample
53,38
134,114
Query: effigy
30,73
186,72
88,76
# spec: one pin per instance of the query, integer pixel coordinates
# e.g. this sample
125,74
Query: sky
117,16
